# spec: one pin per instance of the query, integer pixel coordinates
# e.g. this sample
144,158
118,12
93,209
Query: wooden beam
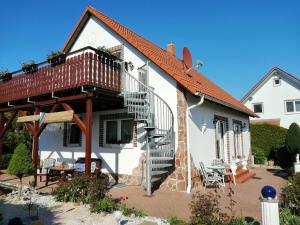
24,119
30,127
1,139
8,124
47,102
88,136
35,145
59,117
76,118
43,126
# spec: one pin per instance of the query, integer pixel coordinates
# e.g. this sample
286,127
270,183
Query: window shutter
65,141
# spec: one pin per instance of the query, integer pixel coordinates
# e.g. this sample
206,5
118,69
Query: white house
275,98
185,117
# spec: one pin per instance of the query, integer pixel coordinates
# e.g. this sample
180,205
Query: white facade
123,160
273,97
202,140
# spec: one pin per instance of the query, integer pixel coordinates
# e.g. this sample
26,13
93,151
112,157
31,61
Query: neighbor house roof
265,77
194,81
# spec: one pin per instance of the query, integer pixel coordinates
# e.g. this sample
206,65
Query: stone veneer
177,181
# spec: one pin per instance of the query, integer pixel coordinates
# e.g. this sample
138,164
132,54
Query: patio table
61,171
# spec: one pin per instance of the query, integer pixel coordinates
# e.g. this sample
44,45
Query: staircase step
160,158
159,151
157,135
154,179
158,172
245,177
161,165
149,128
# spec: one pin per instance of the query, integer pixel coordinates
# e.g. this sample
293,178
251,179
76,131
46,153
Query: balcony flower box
5,75
56,58
106,53
30,67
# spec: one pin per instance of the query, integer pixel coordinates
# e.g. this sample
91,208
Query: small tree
293,139
20,164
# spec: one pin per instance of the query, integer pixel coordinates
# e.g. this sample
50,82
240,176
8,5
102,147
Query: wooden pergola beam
47,102
29,126
76,118
44,125
8,124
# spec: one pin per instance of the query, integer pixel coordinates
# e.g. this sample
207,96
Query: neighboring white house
275,98
217,127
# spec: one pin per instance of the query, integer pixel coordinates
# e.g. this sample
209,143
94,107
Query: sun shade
59,117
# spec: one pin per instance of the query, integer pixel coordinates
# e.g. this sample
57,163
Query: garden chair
44,170
211,179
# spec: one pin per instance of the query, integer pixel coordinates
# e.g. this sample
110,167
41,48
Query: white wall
202,144
273,99
123,161
115,160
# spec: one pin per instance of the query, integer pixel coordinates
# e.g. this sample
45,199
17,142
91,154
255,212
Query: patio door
238,146
220,140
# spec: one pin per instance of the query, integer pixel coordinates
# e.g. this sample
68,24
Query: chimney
171,48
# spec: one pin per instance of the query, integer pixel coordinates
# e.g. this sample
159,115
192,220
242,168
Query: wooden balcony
83,68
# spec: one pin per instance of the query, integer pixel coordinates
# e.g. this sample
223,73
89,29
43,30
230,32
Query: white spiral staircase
152,111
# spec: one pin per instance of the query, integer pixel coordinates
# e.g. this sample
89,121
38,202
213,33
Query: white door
220,138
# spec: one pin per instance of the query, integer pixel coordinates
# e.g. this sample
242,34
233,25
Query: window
72,135
258,107
276,82
143,77
292,106
118,131
238,139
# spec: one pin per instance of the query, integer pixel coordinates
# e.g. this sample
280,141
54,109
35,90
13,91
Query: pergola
62,92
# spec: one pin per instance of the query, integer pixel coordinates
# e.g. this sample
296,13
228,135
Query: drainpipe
187,116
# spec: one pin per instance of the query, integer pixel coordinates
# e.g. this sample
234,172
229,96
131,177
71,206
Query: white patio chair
44,170
210,179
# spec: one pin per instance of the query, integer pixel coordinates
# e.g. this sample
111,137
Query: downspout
187,116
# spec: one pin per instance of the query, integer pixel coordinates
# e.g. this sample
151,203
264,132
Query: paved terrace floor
165,204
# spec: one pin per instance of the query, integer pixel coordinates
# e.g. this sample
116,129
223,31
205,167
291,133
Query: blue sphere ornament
268,192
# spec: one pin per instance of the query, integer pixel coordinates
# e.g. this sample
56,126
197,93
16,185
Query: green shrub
127,211
239,221
285,159
287,218
173,220
81,188
293,138
291,193
5,160
205,209
259,155
267,137
104,205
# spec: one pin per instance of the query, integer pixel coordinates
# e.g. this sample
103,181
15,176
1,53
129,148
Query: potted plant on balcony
5,75
106,53
56,58
29,67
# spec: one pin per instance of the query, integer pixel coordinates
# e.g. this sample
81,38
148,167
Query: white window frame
262,107
274,79
294,104
127,145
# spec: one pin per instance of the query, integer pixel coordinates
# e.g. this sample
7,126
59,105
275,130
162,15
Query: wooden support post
35,146
1,138
88,136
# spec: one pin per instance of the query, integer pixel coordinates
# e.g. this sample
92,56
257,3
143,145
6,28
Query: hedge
268,137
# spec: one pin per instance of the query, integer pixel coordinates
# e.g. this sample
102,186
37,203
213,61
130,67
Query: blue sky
239,41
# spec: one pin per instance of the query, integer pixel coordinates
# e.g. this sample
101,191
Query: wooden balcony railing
85,68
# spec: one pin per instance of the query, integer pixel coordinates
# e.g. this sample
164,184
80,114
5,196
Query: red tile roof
193,82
